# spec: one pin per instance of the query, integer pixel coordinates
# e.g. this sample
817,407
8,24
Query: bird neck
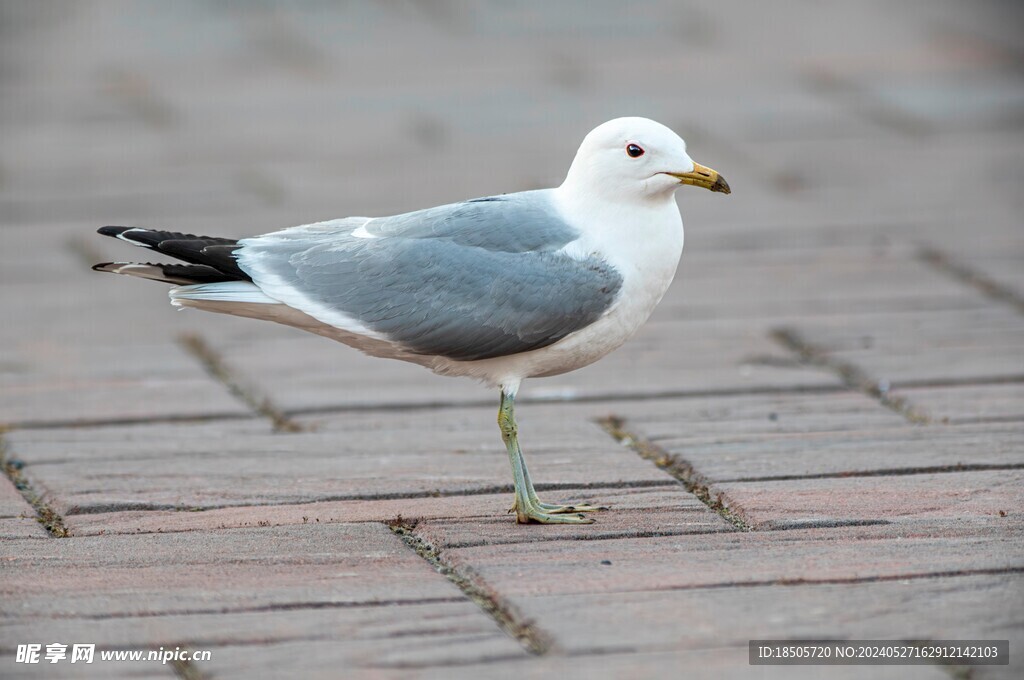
581,203
628,233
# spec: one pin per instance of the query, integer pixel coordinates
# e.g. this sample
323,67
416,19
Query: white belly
572,352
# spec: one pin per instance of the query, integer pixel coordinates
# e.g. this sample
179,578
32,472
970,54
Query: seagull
500,289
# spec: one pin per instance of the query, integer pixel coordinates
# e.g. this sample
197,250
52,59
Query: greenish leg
528,507
549,507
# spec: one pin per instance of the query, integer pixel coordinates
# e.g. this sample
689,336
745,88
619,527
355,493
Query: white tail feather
224,291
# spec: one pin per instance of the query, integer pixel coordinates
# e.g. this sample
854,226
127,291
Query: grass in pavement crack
14,469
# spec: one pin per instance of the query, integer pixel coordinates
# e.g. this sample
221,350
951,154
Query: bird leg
528,507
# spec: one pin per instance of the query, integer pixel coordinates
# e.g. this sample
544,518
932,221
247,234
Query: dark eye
634,151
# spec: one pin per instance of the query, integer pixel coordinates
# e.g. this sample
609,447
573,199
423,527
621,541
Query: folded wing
469,281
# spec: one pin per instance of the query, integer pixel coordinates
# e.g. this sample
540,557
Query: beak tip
721,186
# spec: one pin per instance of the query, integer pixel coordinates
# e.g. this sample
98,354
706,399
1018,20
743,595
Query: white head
630,159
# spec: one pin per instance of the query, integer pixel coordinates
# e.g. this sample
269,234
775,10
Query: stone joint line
680,469
215,365
392,407
534,640
852,375
988,287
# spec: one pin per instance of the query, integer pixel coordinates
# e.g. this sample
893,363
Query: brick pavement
817,434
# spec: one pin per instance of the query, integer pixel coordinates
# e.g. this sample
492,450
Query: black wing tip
100,267
112,231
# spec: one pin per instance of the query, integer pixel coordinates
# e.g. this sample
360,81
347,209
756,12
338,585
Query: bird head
637,159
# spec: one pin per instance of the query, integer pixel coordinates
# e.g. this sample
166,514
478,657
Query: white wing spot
361,231
124,237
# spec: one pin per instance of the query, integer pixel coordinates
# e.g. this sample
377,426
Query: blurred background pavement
831,393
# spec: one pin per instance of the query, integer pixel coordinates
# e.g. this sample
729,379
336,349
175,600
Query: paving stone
985,497
661,509
986,363
633,512
928,346
720,662
58,384
940,207
927,608
872,276
962,607
54,383
720,419
769,436
97,669
21,527
352,455
12,504
903,449
693,357
730,560
328,565
372,510
392,658
966,403
406,634
991,325
1002,268
358,586
754,437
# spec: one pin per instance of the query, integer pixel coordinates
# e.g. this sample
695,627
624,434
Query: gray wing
469,281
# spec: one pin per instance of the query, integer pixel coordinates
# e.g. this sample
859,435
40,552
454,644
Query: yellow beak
703,177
